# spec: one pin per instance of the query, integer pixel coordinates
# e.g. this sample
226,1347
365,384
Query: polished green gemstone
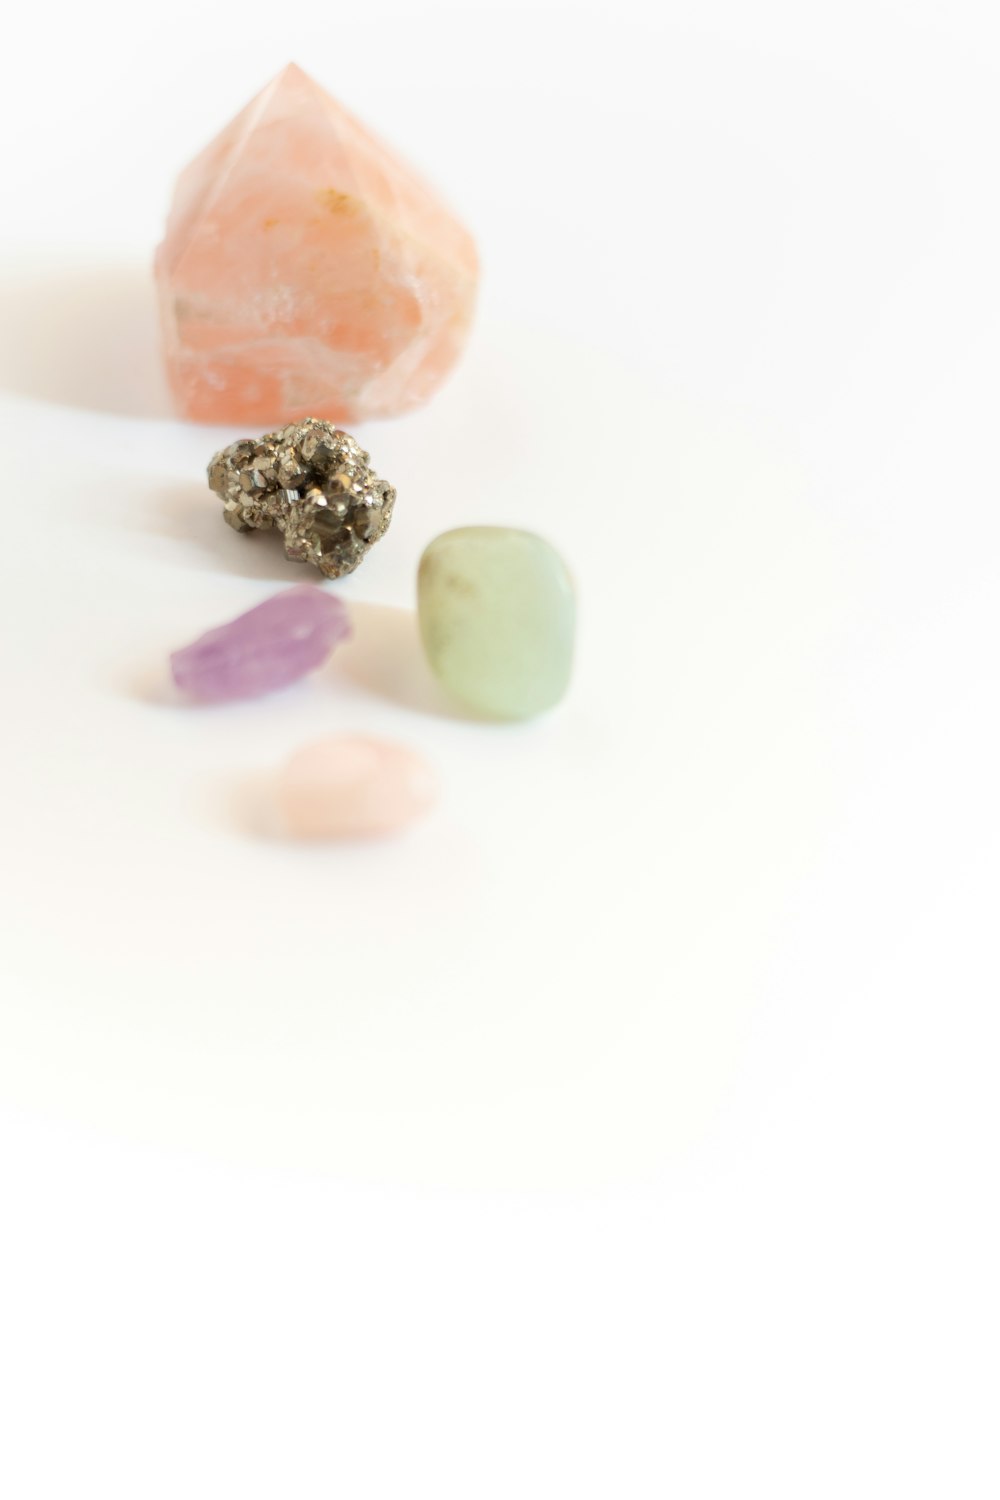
497,618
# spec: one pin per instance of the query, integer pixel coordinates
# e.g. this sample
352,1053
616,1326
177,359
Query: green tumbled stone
497,618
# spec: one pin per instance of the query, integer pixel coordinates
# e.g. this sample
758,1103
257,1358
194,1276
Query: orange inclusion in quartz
307,271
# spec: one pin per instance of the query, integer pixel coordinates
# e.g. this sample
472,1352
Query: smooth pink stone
352,787
307,271
270,646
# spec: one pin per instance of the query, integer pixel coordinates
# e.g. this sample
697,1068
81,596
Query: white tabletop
626,1129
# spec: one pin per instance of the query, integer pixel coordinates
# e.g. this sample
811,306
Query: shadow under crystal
84,337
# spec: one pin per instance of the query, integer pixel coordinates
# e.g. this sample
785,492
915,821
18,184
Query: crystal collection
308,276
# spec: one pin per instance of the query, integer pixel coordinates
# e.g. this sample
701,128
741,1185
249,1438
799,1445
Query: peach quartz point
307,270
350,786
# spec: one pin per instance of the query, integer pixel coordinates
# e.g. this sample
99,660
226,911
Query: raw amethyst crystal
273,644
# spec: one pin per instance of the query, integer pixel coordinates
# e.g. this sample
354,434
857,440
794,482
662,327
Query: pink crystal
307,271
273,644
351,786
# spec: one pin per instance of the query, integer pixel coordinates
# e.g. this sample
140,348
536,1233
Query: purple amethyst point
270,646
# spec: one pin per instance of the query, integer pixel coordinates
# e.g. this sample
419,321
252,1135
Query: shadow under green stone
385,656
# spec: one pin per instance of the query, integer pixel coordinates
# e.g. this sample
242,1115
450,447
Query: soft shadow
250,806
192,515
385,656
86,337
152,682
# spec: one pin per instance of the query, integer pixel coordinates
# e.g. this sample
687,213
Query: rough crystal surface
307,270
350,786
311,482
497,618
270,646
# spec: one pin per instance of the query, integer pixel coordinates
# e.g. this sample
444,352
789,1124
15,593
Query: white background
629,1130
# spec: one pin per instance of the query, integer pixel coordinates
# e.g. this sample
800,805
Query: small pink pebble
352,787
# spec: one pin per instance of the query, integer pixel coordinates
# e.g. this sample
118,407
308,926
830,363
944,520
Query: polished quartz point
307,270
497,619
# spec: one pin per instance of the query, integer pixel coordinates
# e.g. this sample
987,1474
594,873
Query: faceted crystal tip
306,269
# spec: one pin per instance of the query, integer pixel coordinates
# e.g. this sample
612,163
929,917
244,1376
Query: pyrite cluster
313,483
